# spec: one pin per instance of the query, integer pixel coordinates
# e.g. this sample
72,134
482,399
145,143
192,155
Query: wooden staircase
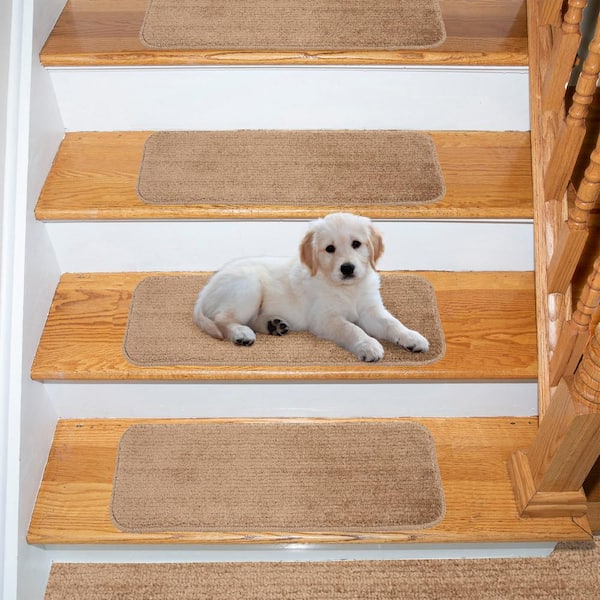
483,389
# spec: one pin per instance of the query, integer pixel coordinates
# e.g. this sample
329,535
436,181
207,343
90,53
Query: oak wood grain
541,139
105,32
488,321
73,505
94,176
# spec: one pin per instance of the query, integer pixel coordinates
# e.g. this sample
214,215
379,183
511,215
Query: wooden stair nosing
488,321
94,177
73,504
106,32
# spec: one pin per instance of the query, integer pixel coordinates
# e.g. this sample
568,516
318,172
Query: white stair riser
301,399
204,98
207,245
297,552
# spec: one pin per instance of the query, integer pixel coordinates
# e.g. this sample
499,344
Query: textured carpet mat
277,476
293,24
290,168
572,572
161,331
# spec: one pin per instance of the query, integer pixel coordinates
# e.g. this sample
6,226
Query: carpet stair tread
106,32
73,504
488,321
94,177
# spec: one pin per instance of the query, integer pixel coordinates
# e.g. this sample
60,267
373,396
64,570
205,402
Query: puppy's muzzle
347,270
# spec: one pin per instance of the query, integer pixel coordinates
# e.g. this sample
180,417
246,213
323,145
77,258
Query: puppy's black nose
347,269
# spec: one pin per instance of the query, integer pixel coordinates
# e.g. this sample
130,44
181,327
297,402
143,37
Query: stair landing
105,32
73,505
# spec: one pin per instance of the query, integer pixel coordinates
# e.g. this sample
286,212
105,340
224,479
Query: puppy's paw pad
369,351
277,327
243,342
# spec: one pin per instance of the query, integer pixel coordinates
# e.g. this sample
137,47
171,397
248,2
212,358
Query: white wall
32,131
5,20
40,275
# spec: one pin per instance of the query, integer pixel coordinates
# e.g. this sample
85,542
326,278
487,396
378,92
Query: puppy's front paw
369,351
242,335
414,341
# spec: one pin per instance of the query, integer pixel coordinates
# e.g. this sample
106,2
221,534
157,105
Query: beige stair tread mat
161,331
290,168
277,476
293,24
571,573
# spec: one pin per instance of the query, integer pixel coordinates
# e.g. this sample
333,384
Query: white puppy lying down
331,290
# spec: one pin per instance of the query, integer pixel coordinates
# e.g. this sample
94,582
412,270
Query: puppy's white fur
331,290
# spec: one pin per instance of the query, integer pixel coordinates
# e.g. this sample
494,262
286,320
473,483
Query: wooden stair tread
73,504
105,32
94,176
488,320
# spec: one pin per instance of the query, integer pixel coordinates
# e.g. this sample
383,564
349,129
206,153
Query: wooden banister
566,42
575,333
572,129
548,477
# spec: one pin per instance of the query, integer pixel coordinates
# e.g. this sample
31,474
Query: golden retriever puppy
331,289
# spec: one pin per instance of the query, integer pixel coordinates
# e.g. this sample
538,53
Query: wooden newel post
548,477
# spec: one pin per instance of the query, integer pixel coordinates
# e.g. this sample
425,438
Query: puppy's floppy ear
375,245
308,252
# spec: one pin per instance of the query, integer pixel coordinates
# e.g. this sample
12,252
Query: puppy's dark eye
330,249
356,244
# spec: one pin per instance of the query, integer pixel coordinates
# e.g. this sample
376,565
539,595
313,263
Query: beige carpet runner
293,24
572,572
291,168
277,476
161,331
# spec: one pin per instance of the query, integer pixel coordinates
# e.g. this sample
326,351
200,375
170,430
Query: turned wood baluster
572,130
574,232
566,42
548,477
576,333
